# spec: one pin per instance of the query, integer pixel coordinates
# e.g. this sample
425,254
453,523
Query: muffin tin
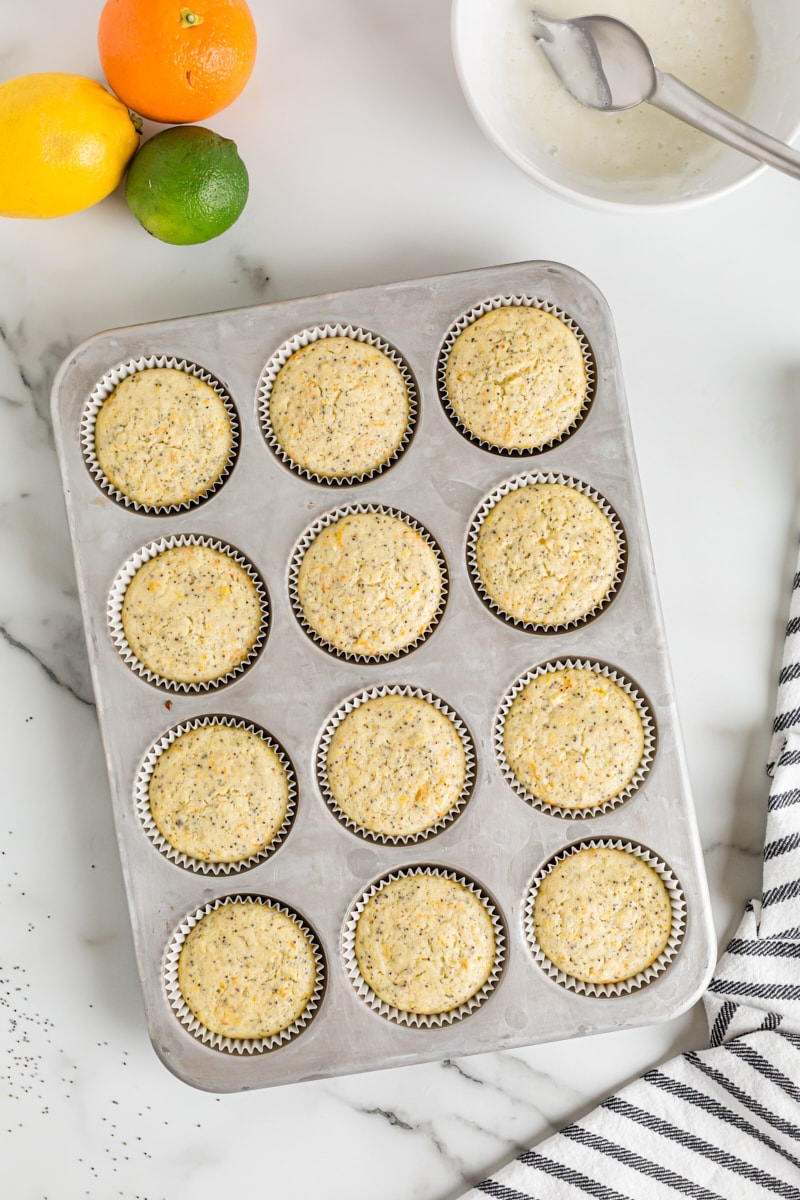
293,688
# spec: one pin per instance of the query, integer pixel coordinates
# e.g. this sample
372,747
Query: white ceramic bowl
490,42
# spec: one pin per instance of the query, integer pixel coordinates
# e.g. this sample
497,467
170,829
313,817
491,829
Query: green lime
187,184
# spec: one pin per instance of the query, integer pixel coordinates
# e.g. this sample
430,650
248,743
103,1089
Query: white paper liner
100,393
354,702
219,1041
642,708
423,1020
625,986
304,338
331,518
515,301
117,595
142,797
525,480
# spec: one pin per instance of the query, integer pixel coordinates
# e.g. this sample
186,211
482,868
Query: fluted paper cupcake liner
525,480
100,393
331,518
219,1041
350,705
281,356
116,598
642,708
180,857
657,967
423,1020
515,301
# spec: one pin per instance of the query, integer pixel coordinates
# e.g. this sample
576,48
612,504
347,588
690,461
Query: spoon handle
681,101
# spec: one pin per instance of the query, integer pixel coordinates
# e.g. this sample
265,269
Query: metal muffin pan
294,687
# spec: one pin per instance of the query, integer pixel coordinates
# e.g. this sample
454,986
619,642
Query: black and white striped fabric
721,1123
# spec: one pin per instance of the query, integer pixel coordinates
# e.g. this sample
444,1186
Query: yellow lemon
65,142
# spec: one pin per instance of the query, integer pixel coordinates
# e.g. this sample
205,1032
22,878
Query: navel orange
172,63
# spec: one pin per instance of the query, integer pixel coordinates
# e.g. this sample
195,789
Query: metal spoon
605,65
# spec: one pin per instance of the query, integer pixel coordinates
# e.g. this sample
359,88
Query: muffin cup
302,546
179,857
100,393
350,705
117,596
645,762
219,1041
625,986
422,1020
281,357
525,480
515,301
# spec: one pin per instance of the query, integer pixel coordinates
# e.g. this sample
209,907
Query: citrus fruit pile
67,141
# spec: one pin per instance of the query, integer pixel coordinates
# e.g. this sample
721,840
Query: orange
172,63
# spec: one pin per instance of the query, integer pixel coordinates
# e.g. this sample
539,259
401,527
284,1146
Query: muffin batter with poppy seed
219,793
573,737
516,377
163,437
192,614
396,765
547,554
339,407
425,943
602,915
247,970
369,584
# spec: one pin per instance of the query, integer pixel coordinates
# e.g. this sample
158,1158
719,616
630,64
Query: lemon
65,142
187,184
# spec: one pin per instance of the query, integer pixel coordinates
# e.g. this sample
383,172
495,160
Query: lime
187,184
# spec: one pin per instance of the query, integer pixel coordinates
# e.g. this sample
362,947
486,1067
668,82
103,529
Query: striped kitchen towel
721,1123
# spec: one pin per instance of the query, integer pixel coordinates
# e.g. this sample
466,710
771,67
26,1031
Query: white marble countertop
366,168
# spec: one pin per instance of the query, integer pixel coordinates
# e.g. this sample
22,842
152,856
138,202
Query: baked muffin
516,378
546,554
573,738
247,970
219,793
425,944
602,915
369,584
339,408
396,765
163,437
192,614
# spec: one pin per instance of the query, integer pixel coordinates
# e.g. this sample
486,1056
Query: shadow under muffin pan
294,687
